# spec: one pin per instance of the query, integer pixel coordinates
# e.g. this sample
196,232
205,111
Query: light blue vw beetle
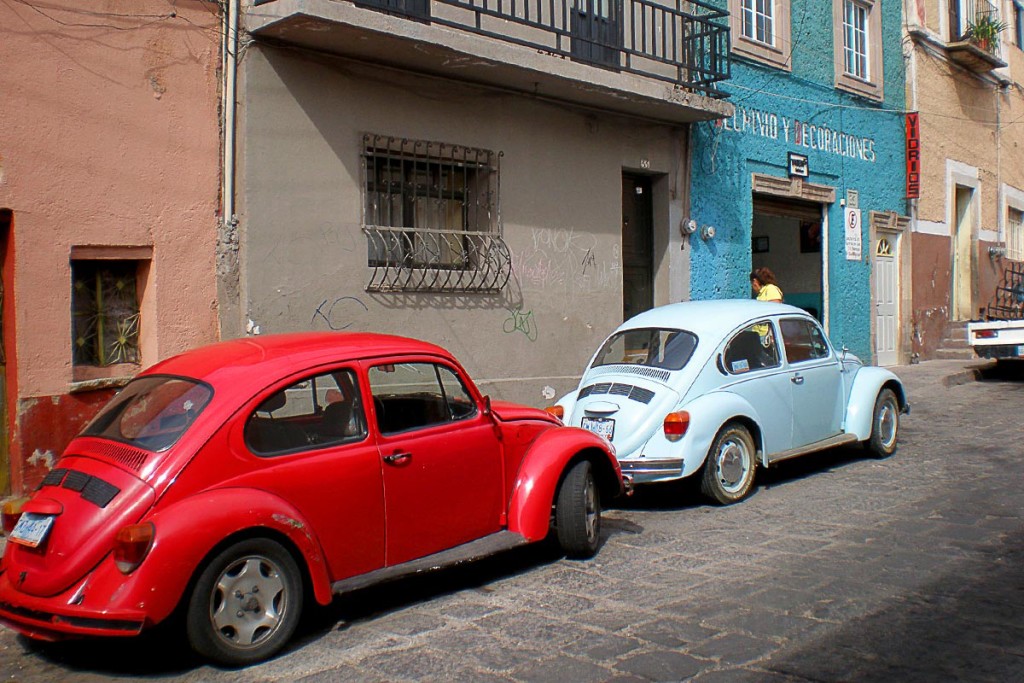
720,387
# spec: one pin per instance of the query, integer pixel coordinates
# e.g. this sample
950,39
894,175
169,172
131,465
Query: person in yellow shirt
762,281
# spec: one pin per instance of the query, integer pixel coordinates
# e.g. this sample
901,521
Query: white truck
1001,334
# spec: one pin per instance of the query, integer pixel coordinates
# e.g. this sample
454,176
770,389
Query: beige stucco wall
971,134
561,207
110,137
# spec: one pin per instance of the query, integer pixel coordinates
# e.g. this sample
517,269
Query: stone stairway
954,345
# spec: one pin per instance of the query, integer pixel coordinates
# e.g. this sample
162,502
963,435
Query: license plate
31,529
602,426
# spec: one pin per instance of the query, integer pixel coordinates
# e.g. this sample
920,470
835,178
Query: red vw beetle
235,479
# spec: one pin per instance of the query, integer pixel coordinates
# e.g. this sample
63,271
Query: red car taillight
986,334
12,513
676,425
132,544
557,411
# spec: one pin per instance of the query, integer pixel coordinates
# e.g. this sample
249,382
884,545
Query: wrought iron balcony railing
684,42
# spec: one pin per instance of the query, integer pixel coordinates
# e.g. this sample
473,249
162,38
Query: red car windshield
151,412
655,348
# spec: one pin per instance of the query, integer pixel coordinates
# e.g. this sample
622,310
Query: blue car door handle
797,379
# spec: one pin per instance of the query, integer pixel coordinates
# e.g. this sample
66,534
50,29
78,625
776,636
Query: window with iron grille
105,312
430,213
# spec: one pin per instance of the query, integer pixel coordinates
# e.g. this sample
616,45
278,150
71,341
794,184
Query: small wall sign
798,167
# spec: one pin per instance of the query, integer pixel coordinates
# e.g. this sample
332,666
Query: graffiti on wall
520,321
566,260
339,314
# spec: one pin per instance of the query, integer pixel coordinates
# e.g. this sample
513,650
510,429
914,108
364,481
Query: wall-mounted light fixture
707,232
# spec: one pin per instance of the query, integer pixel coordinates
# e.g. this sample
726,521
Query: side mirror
487,406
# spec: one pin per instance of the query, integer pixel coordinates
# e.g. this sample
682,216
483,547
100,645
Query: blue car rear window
666,349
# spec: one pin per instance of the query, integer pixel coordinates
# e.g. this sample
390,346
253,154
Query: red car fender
187,532
542,470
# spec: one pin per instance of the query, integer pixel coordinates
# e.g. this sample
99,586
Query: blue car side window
753,348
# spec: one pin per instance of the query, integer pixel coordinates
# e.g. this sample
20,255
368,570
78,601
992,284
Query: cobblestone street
839,568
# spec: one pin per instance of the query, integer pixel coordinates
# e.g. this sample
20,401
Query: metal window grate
430,215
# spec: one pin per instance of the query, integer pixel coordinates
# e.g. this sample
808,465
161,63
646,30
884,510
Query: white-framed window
855,39
1014,233
760,30
758,19
858,46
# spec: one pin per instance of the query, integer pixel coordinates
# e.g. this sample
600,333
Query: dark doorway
637,245
786,237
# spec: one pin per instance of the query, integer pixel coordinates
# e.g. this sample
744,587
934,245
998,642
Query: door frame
959,174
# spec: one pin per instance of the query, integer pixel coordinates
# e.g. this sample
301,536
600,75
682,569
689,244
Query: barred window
105,312
430,213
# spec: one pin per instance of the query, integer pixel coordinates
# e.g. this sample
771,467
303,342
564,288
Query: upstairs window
1018,24
760,30
758,21
858,47
855,39
430,214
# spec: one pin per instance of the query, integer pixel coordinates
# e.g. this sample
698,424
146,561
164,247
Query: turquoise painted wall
780,112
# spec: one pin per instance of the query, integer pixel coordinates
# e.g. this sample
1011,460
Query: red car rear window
151,412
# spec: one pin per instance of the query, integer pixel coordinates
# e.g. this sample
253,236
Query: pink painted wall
109,136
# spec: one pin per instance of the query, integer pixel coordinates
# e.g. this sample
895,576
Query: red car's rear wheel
246,603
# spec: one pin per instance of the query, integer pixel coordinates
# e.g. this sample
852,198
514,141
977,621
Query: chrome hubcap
888,421
248,602
733,465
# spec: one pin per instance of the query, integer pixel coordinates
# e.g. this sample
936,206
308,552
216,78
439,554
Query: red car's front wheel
246,603
578,512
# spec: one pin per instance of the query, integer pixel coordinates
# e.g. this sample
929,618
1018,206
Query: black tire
246,603
578,513
729,468
885,425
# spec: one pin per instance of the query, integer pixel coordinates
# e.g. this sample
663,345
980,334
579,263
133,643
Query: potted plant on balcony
985,32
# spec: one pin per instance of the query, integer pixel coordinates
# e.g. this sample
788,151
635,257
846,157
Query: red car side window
317,411
415,395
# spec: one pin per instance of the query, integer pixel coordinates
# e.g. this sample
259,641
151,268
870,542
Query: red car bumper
56,618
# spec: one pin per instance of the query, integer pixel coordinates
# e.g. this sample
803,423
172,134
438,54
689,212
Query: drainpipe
230,61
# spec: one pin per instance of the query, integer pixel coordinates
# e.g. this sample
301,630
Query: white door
886,294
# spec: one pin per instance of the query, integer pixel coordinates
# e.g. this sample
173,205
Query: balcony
640,57
974,35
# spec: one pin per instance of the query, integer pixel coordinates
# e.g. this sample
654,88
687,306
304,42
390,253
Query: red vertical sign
913,156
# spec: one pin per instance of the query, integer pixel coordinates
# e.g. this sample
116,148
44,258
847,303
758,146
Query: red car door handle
397,458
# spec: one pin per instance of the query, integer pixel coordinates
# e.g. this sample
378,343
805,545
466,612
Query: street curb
971,373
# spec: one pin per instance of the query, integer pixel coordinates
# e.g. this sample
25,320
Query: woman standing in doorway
764,285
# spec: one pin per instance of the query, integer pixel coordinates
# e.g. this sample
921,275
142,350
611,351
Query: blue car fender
708,414
860,408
